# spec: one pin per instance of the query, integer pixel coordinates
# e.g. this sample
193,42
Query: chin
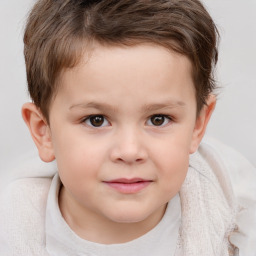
129,217
128,220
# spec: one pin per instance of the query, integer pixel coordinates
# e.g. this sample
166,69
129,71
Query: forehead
141,58
145,69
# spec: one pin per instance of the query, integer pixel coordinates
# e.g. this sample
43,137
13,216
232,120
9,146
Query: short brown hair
58,31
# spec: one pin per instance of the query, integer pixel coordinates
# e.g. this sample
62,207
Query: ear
201,122
39,130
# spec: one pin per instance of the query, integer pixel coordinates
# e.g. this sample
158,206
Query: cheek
78,159
175,170
172,163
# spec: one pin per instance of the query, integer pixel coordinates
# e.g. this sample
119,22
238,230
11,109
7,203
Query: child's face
122,127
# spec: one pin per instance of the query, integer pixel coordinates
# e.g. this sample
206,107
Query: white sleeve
243,178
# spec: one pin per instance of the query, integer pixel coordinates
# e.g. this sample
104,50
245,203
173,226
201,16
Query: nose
128,147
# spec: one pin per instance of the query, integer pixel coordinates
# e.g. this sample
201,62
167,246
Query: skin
143,98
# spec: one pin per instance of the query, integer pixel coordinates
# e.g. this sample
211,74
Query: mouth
128,186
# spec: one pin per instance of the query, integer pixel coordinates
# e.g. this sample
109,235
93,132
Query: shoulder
240,171
22,212
242,175
25,193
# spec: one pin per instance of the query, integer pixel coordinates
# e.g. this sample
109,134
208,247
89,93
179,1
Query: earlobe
39,130
201,122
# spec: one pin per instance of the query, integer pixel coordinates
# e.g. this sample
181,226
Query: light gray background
234,121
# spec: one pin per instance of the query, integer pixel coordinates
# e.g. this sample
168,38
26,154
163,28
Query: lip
128,186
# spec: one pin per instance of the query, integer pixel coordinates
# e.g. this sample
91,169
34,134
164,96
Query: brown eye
158,120
96,121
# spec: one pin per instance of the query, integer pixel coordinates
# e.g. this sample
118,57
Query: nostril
139,160
129,160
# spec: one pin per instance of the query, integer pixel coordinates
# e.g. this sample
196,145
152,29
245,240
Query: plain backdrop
234,121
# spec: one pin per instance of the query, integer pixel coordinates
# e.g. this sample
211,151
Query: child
122,93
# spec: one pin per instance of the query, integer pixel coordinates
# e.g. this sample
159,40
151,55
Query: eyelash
104,122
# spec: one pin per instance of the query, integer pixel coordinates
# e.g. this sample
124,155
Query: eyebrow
163,105
145,108
100,106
